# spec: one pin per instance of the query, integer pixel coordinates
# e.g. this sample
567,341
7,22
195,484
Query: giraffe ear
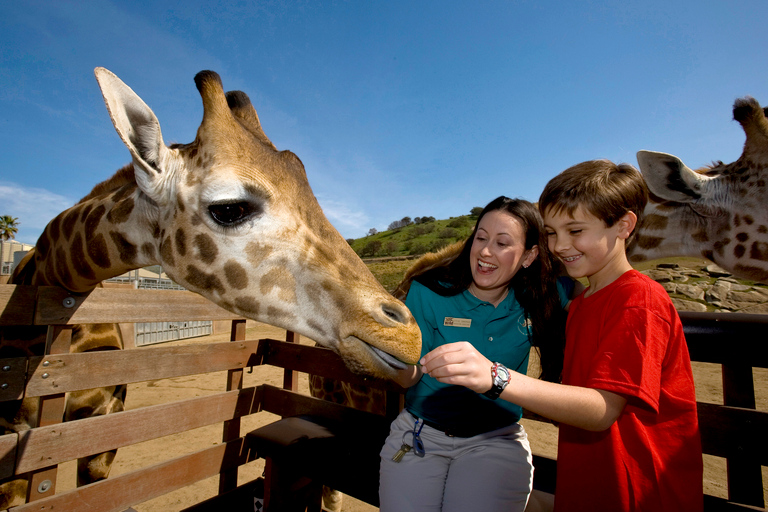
139,129
669,178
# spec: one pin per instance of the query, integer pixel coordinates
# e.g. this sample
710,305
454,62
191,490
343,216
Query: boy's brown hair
605,189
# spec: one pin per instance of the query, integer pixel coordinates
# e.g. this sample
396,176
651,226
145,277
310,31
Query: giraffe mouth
389,359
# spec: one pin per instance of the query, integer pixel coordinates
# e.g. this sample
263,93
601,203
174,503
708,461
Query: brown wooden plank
231,428
733,431
317,361
108,305
42,480
13,377
8,445
45,446
291,377
17,304
115,494
69,372
290,403
745,476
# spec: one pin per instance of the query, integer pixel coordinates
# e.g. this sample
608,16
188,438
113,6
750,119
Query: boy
629,437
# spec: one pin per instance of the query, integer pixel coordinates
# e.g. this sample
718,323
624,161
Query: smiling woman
499,296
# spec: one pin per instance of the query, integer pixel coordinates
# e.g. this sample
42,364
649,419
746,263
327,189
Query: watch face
503,373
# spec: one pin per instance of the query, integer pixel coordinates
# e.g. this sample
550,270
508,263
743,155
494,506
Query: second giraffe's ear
669,178
139,129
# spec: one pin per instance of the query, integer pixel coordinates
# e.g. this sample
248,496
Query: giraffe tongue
389,359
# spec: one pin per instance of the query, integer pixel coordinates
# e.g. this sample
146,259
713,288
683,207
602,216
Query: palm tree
8,227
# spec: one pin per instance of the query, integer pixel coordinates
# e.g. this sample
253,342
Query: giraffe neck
98,238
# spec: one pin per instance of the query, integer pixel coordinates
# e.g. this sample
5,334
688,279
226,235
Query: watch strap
499,382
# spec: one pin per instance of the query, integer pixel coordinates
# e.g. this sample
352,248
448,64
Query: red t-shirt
627,339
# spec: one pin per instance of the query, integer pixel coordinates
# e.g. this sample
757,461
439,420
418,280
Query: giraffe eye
233,214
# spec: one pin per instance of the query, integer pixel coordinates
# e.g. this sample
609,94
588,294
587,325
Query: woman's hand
461,364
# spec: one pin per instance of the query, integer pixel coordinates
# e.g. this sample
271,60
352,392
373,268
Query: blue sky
397,108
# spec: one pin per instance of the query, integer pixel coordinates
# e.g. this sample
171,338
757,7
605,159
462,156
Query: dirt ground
543,437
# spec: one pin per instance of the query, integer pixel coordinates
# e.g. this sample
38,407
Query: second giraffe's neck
97,239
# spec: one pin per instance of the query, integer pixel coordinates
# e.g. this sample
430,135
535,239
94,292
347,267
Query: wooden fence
733,430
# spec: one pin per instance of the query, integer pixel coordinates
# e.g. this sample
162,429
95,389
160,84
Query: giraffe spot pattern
62,270
68,222
93,219
77,252
655,222
280,316
148,250
247,305
762,229
721,244
700,236
121,211
54,229
97,250
181,242
258,252
84,214
236,275
759,251
739,250
206,248
204,281
281,279
742,237
649,242
166,252
759,274
315,326
43,244
125,249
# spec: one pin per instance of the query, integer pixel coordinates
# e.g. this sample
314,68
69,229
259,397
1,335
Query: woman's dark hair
535,287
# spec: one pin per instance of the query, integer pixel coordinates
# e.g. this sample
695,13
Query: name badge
457,322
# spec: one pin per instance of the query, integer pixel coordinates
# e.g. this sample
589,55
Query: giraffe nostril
395,313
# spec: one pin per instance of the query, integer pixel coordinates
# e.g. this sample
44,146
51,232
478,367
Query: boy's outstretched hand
461,364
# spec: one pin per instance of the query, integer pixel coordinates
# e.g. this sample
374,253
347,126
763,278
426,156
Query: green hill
415,238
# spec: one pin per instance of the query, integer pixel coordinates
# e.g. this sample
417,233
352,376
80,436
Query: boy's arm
591,409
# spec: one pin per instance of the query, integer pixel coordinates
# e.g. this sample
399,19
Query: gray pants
490,472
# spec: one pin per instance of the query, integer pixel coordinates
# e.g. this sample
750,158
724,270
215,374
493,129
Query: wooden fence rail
733,430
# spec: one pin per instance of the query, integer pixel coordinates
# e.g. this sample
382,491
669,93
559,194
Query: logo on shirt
525,326
457,322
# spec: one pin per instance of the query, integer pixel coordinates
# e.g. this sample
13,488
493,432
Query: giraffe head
234,219
719,212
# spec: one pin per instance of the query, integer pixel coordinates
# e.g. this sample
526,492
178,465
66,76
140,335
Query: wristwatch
501,377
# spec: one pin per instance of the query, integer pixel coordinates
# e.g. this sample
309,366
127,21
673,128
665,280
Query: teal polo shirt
499,333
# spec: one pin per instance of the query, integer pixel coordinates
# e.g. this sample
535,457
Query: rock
688,305
759,309
750,296
669,286
715,271
691,291
718,292
660,276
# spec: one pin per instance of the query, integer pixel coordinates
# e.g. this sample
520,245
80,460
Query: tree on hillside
371,248
372,232
9,226
476,211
